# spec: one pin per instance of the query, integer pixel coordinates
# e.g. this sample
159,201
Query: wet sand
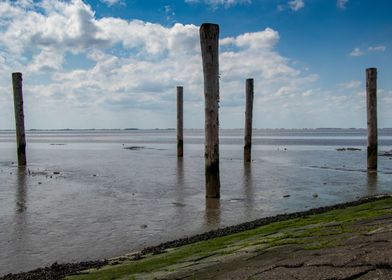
86,189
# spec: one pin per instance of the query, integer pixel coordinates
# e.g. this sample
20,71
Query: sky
116,63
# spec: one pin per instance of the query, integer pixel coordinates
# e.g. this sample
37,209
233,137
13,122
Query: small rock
94,175
39,183
315,195
286,195
143,226
56,172
353,149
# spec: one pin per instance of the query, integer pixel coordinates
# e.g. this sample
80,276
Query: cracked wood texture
180,125
371,100
19,118
248,120
209,41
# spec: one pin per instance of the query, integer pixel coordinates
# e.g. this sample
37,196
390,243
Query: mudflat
352,242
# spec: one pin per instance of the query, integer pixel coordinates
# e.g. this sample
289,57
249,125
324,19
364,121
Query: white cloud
169,12
351,84
216,3
341,4
357,52
132,67
377,49
280,8
360,52
113,2
296,5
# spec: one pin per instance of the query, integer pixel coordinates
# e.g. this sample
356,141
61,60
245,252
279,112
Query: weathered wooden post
209,41
180,115
19,118
248,120
371,100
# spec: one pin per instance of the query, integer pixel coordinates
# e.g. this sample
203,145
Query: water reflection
180,185
20,232
212,215
20,196
248,190
372,188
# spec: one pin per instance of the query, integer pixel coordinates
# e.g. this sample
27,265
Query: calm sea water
83,196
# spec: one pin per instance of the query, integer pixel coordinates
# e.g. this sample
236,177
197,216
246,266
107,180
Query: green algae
313,232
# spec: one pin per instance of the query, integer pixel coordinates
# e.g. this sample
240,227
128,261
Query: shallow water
83,196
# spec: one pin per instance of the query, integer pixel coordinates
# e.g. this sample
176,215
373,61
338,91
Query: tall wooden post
19,118
180,112
248,120
371,100
209,41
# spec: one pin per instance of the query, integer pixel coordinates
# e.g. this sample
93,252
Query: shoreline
59,271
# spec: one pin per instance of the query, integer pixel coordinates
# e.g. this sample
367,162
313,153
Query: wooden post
248,120
180,116
209,41
371,100
19,118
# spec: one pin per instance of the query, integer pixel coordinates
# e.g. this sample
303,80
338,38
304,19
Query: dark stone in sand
348,149
386,154
134,148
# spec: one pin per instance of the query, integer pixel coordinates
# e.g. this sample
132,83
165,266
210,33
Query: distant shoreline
149,129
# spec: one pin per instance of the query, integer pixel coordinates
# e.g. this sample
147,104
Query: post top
209,25
371,69
16,74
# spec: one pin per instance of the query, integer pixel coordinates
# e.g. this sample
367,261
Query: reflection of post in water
180,182
213,212
20,237
372,184
248,189
20,197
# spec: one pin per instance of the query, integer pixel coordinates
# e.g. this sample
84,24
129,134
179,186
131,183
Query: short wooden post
209,41
19,118
248,120
371,100
180,112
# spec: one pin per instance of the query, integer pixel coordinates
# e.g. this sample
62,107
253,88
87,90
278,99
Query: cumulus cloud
296,5
128,69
